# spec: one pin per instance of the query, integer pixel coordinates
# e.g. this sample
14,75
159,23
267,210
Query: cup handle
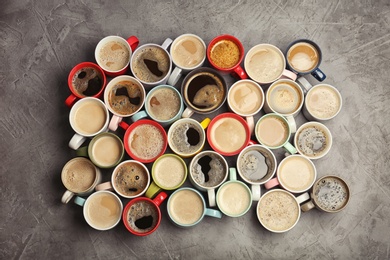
205,122
138,116
256,192
175,76
124,125
213,213
239,72
318,74
292,123
252,142
114,122
303,197
76,141
104,186
290,148
211,196
79,201
166,43
188,112
271,183
306,86
289,74
69,101
82,151
68,195
232,174
251,123
160,198
152,190
133,42
307,206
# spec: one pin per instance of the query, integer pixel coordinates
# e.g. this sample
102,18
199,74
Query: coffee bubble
146,141
130,179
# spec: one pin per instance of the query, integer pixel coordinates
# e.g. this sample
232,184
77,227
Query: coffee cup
313,140
228,134
88,117
113,53
207,171
204,91
163,104
322,102
329,194
256,164
124,96
225,53
265,63
278,210
105,150
142,216
169,172
186,136
130,179
285,97
304,57
151,64
273,131
246,98
80,177
234,198
295,173
144,140
188,52
86,79
186,208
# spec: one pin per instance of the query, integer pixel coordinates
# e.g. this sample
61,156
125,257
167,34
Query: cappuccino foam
186,207
169,172
107,150
89,118
103,210
114,56
312,141
284,98
142,216
130,179
188,52
272,131
265,65
323,102
146,141
228,135
208,170
126,97
164,104
78,175
245,98
296,173
233,198
303,57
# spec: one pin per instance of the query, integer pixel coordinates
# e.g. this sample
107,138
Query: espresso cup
130,179
142,216
273,131
169,172
188,52
86,79
313,140
186,136
113,53
285,97
278,210
151,64
329,194
186,208
234,198
105,150
304,57
88,117
265,63
80,177
124,96
256,164
144,140
102,210
246,98
204,91
207,171
295,173
228,134
225,53
322,102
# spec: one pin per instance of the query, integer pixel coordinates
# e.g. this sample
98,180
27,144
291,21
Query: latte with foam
79,175
234,198
272,131
146,141
284,97
323,102
303,57
89,117
163,104
107,150
245,98
114,56
186,207
188,51
169,171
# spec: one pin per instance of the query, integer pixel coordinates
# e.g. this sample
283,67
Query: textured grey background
42,40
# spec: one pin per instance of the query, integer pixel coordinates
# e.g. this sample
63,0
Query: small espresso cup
124,96
151,64
329,194
285,97
234,198
273,130
313,140
204,91
142,216
86,79
80,177
228,134
102,210
130,179
169,172
304,57
246,98
188,52
225,53
256,164
186,137
186,208
295,173
88,117
113,53
207,171
105,150
265,63
278,210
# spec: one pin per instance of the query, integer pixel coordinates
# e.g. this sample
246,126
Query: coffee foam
216,174
312,141
303,57
278,211
245,98
164,104
331,194
272,131
265,65
225,54
233,198
87,81
130,179
296,173
256,164
139,210
284,98
79,175
228,135
188,52
146,141
114,56
323,102
168,172
89,118
186,207
126,97
107,150
103,210
179,140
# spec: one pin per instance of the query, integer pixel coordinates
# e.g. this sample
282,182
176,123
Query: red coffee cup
142,216
225,53
144,140
86,79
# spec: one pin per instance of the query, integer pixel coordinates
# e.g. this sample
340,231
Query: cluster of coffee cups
157,114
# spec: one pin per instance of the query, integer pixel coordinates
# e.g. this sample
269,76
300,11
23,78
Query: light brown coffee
188,51
78,175
130,179
272,131
323,102
163,104
296,173
228,135
103,210
233,198
126,97
284,98
245,98
303,57
114,56
107,151
146,141
186,207
169,172
225,54
89,118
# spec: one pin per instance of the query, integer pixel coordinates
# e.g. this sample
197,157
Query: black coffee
144,222
193,136
142,216
204,163
87,81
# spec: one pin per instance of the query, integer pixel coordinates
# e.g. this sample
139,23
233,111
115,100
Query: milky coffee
146,141
272,131
169,171
107,150
284,98
233,198
323,102
186,207
114,56
89,118
163,104
296,173
188,51
130,179
78,175
303,57
245,98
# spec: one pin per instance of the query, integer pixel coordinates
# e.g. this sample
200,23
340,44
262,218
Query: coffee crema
233,198
107,150
331,194
323,102
296,173
103,210
114,56
126,97
186,207
164,104
225,54
264,65
142,216
272,131
208,170
245,98
89,118
130,179
186,137
228,135
169,172
87,81
79,175
256,164
284,98
312,141
188,52
303,57
146,141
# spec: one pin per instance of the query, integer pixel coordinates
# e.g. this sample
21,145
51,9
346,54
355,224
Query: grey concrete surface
42,40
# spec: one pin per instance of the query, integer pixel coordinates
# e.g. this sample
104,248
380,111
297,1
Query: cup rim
286,123
217,198
204,46
80,159
93,141
154,173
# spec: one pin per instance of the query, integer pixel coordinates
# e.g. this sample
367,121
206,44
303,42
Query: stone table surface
42,40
